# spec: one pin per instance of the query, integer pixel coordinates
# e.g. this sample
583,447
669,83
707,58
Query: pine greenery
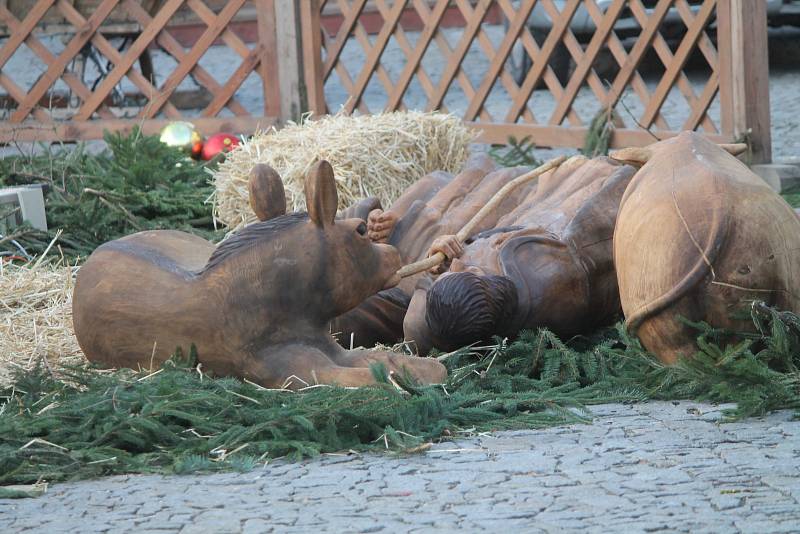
516,153
137,183
180,421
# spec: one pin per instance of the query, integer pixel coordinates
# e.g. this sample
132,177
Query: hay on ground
36,318
372,155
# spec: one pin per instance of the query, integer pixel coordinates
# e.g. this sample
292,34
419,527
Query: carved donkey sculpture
257,306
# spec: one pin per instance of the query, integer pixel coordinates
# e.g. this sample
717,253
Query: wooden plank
54,70
640,47
136,49
312,59
72,81
83,130
678,61
362,37
703,103
18,94
174,48
110,52
19,34
744,75
413,62
267,59
207,17
375,53
498,62
564,136
334,50
191,59
453,65
582,69
289,54
664,53
237,78
539,62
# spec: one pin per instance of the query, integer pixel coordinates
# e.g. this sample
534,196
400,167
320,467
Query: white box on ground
30,200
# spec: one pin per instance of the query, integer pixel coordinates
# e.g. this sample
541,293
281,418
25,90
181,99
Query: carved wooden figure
699,235
257,306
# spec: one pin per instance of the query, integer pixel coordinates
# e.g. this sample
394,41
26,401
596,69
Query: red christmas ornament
219,143
197,150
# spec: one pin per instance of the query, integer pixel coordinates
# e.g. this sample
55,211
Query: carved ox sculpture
257,306
699,236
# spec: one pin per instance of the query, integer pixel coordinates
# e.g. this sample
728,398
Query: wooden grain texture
313,78
744,74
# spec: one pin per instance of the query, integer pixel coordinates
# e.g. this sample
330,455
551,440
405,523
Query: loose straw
466,231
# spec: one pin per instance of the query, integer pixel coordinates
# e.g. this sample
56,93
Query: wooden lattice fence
538,68
59,104
646,45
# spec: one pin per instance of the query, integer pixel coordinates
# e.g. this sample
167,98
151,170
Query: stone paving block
635,470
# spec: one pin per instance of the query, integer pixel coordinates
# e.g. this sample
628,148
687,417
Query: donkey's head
350,267
304,264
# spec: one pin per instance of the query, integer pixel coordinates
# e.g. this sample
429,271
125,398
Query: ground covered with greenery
177,420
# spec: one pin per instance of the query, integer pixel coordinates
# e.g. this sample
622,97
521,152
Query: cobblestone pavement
641,468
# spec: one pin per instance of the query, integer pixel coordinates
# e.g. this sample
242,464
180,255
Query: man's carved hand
380,225
450,246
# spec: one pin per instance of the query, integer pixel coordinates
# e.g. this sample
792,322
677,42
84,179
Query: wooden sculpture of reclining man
544,259
257,306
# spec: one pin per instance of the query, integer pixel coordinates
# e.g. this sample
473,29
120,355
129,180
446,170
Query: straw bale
36,318
372,155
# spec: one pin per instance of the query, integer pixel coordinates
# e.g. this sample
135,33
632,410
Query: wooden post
290,60
744,74
268,67
312,55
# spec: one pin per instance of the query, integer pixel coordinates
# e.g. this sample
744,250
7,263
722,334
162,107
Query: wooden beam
563,136
81,130
312,56
268,57
744,74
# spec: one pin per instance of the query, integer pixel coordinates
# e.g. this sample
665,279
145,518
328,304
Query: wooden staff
494,202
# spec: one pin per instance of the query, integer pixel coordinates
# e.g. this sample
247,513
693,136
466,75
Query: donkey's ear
267,197
321,197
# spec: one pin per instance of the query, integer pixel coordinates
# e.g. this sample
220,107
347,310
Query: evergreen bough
137,183
181,421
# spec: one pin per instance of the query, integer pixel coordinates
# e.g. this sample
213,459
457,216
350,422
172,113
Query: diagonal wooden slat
21,31
640,47
234,82
375,53
413,63
549,77
55,69
18,94
700,109
344,76
582,68
165,40
454,64
72,81
207,16
664,53
363,40
139,45
678,61
451,57
334,50
636,81
184,67
499,60
506,79
104,47
539,62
